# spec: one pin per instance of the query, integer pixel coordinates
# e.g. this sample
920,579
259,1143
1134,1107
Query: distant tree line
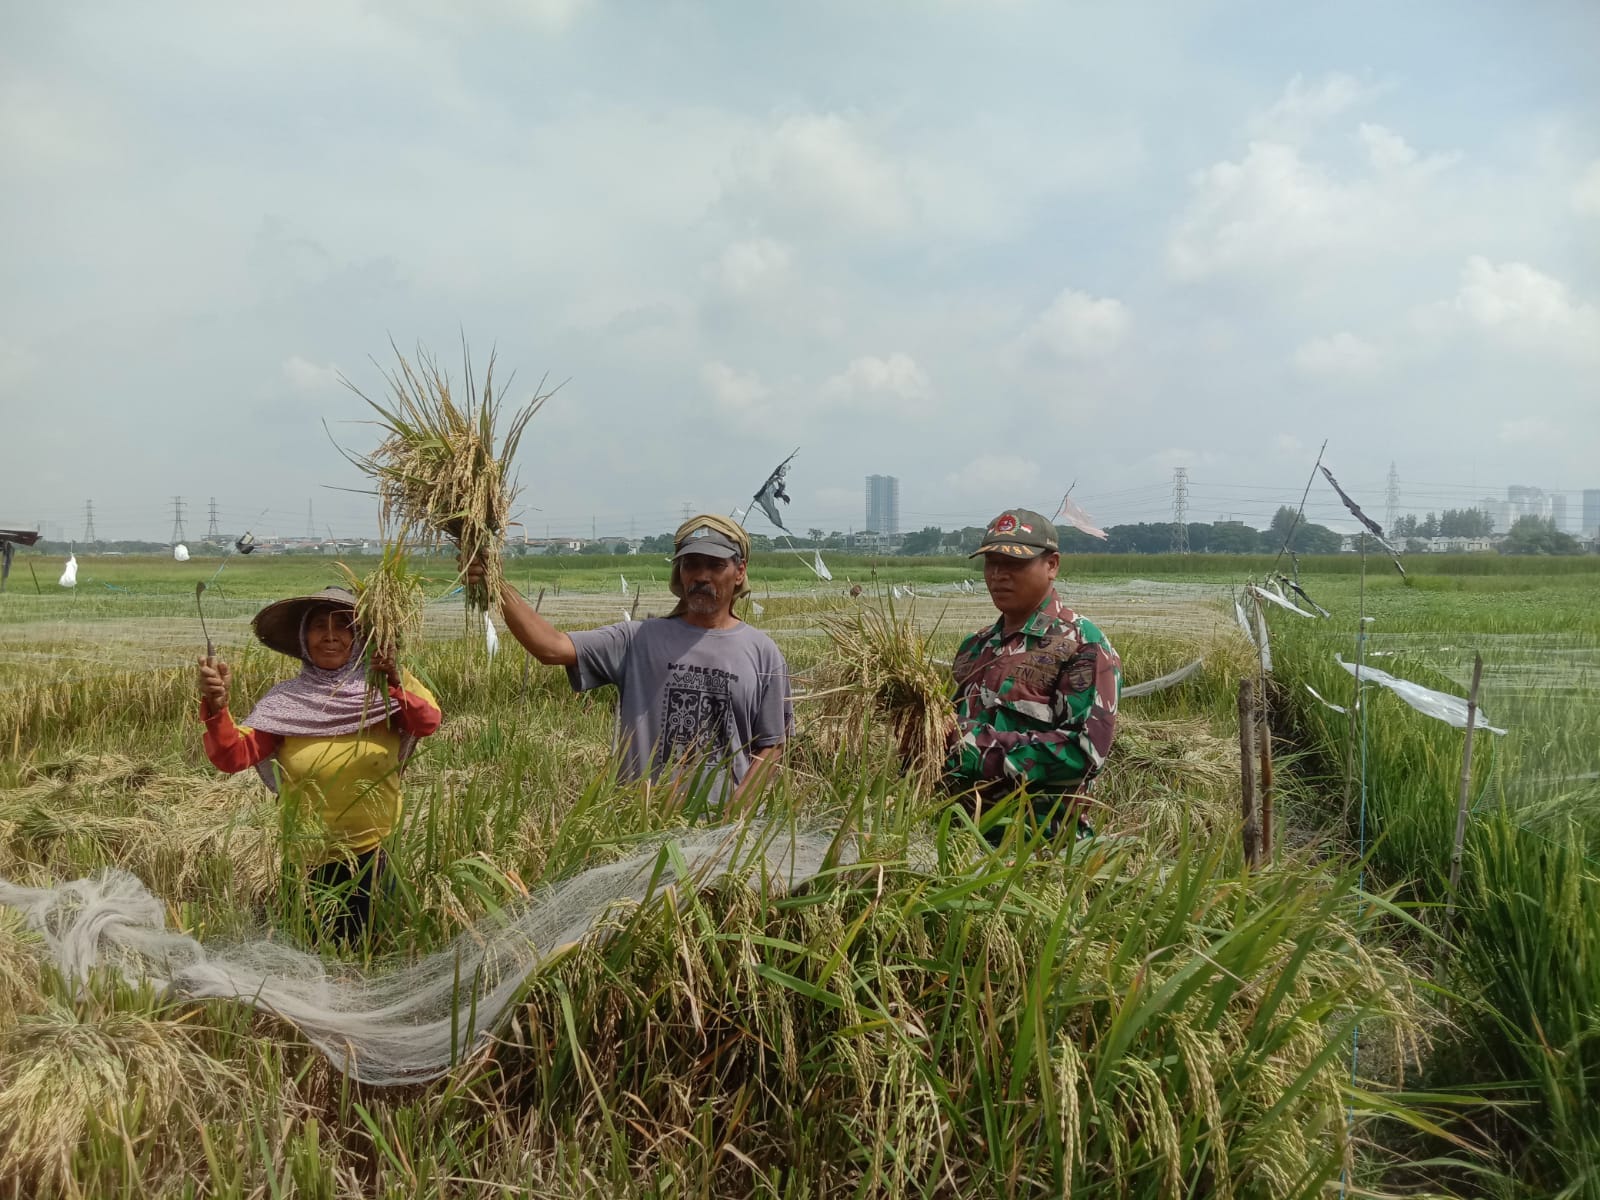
1151,537
1455,522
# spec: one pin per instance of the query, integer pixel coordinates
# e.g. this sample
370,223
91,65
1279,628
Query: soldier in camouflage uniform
1036,692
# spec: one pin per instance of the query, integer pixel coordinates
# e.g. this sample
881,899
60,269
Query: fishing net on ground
411,1023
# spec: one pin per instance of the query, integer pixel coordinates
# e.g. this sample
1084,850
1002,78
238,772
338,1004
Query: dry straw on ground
442,468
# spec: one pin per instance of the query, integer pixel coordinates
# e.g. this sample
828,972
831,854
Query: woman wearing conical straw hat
328,739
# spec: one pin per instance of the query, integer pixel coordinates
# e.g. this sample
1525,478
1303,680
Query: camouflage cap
1019,532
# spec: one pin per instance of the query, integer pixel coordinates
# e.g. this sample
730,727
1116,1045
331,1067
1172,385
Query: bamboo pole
1466,787
527,659
1264,777
1247,772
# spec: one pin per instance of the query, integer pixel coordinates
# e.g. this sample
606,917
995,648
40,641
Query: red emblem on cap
1005,523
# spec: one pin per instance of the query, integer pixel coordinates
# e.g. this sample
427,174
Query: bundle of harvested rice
388,602
883,672
437,470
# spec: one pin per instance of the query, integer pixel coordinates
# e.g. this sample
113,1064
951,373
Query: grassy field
1146,1019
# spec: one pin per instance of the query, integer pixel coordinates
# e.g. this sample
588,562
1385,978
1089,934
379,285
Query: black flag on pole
772,490
1355,511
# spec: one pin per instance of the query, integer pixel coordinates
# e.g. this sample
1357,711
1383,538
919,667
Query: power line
1180,510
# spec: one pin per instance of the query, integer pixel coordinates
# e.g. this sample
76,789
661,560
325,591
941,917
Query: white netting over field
410,1023
52,635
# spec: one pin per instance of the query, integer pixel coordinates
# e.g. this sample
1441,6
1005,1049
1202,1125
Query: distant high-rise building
1525,502
1591,512
883,505
1499,514
1558,510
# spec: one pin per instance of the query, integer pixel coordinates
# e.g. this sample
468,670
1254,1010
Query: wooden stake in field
1247,772
1465,789
1264,780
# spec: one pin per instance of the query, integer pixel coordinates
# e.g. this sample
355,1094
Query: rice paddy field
1136,1016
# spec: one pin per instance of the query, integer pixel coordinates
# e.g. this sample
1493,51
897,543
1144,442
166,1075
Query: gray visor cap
705,540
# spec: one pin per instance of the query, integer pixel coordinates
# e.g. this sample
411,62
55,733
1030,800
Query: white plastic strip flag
490,637
626,616
1262,640
755,607
624,579
1244,622
895,590
821,568
180,552
1279,599
69,573
1326,703
1442,706
1078,519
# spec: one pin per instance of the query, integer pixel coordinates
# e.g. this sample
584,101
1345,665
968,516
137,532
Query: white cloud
825,168
1529,431
1303,105
896,381
736,393
1386,149
1586,194
17,365
307,376
1525,308
1078,326
1341,354
46,128
995,476
1270,209
748,265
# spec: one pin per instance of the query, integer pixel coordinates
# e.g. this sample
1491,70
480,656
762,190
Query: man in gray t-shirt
689,695
698,687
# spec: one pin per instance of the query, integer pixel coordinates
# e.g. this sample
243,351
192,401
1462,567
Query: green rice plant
1526,934
1117,1028
1529,951
442,468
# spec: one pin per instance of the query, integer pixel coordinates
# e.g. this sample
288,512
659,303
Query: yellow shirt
350,781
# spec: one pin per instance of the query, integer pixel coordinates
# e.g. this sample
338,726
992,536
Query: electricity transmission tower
177,520
1180,510
88,521
211,530
311,525
1391,510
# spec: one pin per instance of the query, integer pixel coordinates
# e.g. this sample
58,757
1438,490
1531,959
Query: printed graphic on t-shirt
696,724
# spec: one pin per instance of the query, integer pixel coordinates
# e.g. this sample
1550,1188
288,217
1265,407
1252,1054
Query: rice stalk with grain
389,602
442,468
883,670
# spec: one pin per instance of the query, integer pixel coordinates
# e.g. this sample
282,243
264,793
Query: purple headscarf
323,703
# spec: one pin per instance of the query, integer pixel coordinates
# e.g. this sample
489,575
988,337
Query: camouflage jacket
1037,707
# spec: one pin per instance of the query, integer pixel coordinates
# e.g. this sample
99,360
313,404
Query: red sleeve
233,749
417,717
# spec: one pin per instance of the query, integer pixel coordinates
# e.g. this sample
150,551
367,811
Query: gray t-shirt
688,695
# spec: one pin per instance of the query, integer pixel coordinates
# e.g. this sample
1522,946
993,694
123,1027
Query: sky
991,247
